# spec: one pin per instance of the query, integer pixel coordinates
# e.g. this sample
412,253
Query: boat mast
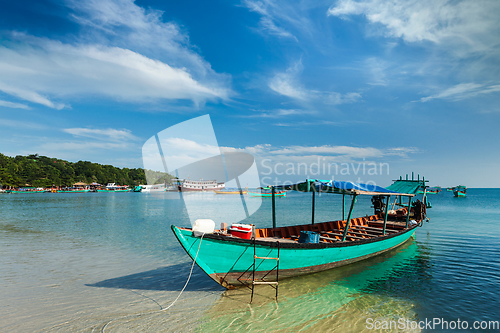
313,204
273,191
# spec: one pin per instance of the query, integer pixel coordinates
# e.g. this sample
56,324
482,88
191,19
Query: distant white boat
201,185
114,187
154,188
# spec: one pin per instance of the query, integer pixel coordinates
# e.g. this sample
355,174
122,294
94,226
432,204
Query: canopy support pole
273,191
424,197
343,206
313,204
408,214
386,212
354,198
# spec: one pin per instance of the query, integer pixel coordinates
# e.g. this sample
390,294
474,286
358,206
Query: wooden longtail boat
460,191
429,191
267,194
228,260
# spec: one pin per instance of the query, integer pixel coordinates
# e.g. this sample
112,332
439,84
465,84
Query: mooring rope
168,307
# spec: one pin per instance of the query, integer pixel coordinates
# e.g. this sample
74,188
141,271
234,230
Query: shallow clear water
109,262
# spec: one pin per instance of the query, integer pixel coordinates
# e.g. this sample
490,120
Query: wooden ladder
273,284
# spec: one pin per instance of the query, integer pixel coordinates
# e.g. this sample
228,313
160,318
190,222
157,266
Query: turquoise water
109,262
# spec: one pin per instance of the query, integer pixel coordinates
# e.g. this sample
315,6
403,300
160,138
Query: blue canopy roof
341,187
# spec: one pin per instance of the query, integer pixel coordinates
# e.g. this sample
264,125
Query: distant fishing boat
449,189
429,191
246,255
28,190
460,191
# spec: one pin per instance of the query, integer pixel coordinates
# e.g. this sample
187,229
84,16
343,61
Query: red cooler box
241,230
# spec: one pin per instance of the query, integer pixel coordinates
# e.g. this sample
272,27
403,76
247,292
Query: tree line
43,171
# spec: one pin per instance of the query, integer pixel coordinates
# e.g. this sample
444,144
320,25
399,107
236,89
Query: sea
109,262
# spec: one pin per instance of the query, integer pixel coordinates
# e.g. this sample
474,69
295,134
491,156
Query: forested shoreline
43,171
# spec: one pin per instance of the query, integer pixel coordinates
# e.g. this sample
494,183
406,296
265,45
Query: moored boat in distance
29,190
72,190
112,187
152,188
267,193
460,191
201,185
430,190
246,255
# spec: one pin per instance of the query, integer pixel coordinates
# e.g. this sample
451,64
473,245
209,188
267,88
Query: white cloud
294,163
189,147
269,25
287,84
14,105
462,91
42,66
102,134
273,11
27,94
279,113
56,147
327,151
402,151
124,52
124,24
469,25
302,124
337,98
22,124
377,69
179,153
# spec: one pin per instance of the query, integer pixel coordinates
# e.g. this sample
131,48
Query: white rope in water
168,307
189,277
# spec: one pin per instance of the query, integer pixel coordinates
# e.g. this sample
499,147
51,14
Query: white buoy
203,226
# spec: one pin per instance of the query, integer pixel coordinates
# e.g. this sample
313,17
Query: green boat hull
459,194
226,259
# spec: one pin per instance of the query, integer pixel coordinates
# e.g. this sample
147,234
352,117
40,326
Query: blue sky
415,85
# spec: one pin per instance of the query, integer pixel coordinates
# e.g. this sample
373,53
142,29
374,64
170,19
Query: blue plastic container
308,237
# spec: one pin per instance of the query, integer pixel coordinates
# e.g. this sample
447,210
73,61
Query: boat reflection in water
340,299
